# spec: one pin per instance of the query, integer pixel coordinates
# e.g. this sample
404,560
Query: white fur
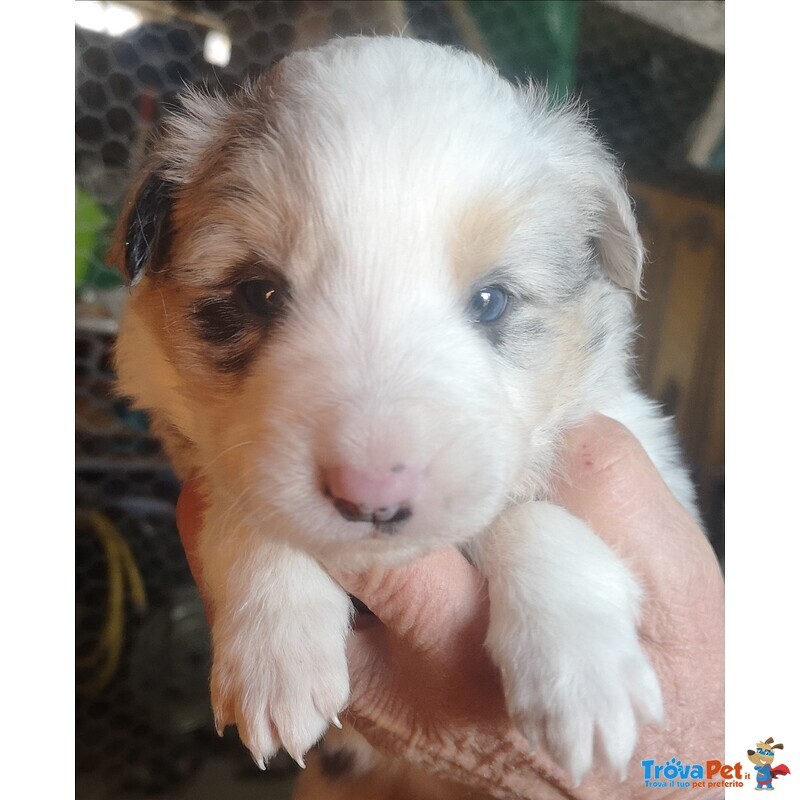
563,632
374,148
279,640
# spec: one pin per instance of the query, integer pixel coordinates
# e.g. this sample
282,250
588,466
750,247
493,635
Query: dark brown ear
777,747
144,233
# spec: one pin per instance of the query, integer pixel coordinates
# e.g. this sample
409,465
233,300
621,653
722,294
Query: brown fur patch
479,236
171,311
216,185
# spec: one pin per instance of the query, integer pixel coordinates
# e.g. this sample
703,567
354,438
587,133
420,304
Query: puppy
370,292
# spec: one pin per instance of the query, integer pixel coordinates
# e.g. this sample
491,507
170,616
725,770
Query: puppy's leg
562,630
280,623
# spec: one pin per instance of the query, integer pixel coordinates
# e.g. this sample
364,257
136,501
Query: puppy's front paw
569,672
282,679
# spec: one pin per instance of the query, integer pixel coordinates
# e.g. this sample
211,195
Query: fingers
432,599
606,474
189,514
598,452
609,481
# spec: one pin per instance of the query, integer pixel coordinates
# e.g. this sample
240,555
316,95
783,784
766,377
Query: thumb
189,515
430,600
611,483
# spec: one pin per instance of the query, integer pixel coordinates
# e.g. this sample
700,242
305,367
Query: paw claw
578,703
271,701
259,761
297,756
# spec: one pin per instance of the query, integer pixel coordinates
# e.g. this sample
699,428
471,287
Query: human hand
424,689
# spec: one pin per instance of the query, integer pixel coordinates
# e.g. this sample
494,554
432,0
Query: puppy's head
370,289
764,753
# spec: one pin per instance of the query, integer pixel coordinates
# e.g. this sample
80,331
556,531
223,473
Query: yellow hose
121,568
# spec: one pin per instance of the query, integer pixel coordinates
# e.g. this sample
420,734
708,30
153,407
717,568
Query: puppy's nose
379,497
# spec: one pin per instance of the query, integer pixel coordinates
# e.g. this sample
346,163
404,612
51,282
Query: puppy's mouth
384,521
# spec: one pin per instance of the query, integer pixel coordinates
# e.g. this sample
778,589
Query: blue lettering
670,770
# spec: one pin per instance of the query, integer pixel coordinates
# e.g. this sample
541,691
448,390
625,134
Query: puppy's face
370,290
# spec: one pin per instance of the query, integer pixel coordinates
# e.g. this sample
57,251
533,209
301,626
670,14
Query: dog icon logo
762,757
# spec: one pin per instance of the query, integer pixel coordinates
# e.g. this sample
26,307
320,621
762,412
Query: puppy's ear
145,230
617,240
603,195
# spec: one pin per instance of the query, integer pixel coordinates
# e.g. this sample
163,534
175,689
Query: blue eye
488,304
262,297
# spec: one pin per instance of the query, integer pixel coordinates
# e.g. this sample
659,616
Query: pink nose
373,496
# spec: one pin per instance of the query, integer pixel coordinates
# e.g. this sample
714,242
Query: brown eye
265,298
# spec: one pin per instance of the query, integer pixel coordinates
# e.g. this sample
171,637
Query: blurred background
653,76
